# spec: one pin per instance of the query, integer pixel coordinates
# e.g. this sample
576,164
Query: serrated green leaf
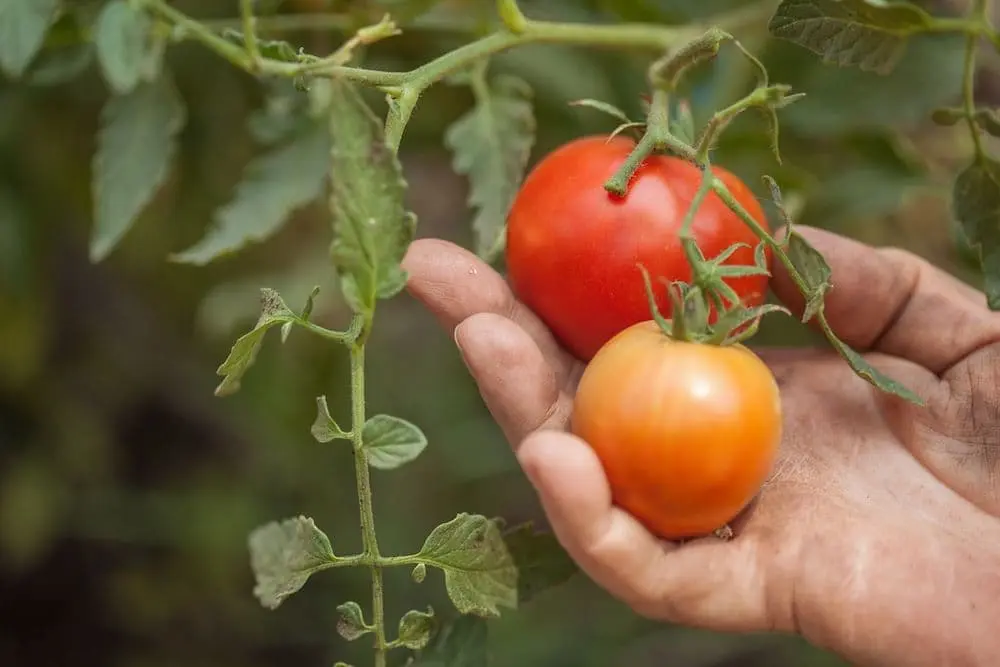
325,429
480,574
491,145
23,26
124,41
864,33
351,623
135,146
459,643
390,442
372,228
866,371
541,561
274,185
284,555
975,205
415,628
812,266
244,352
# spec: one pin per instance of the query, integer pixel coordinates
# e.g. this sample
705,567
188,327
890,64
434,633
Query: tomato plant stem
624,36
511,16
249,31
363,475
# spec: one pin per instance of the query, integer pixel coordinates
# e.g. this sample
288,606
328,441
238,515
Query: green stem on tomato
618,184
655,137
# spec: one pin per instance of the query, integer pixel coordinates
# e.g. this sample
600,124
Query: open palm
877,536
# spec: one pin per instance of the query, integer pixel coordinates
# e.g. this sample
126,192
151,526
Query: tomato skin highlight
687,433
573,248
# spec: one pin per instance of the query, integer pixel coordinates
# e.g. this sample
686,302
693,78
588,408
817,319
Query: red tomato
573,248
686,432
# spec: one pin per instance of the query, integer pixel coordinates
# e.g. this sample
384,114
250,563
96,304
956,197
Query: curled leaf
351,624
415,628
244,352
325,429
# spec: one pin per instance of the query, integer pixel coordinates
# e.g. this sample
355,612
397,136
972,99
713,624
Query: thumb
892,301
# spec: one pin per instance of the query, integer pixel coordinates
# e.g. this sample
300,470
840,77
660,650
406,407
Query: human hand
877,536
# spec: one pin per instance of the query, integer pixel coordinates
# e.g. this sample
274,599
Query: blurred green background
127,490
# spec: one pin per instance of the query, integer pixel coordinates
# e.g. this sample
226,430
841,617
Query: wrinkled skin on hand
878,535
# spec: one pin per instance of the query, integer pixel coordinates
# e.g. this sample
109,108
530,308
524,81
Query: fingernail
458,344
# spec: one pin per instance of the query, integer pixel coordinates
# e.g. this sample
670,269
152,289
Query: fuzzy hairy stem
623,36
371,553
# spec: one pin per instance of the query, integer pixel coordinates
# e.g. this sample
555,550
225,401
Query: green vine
351,155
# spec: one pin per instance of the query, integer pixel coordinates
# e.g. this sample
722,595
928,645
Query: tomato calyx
690,320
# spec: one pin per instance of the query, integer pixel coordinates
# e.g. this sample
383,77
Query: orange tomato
687,433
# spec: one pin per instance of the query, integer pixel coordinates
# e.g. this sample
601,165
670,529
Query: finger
895,302
453,284
707,583
515,379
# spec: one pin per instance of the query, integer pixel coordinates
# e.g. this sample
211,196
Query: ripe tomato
573,248
687,432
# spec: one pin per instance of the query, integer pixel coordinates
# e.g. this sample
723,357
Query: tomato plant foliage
322,141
